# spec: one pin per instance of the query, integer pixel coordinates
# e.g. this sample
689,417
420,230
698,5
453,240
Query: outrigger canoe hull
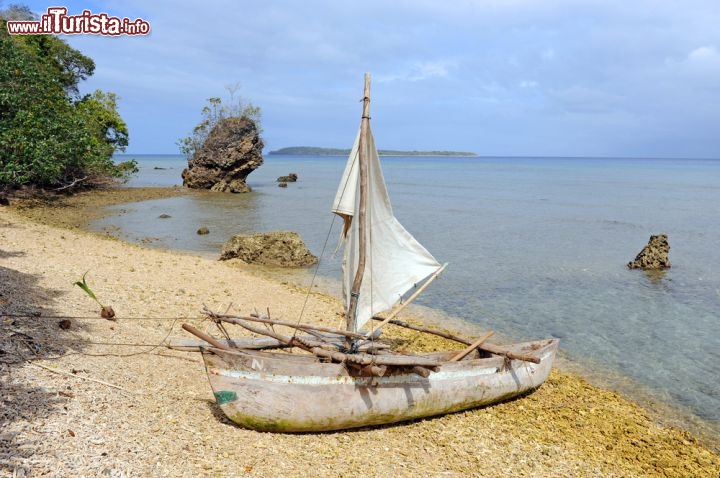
281,392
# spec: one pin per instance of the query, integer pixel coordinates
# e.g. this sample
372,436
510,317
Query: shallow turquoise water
537,247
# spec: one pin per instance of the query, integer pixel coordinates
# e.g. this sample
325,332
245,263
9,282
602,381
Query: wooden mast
362,211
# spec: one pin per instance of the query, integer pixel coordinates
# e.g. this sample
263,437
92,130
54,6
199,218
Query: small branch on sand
62,372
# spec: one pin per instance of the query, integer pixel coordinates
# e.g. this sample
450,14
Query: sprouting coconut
106,311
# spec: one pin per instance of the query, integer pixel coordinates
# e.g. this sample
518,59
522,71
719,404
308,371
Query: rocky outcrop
654,256
279,248
290,178
232,151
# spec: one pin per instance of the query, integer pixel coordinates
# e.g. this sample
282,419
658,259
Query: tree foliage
50,136
212,113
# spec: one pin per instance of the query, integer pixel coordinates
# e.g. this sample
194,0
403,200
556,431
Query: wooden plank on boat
493,349
419,328
472,347
252,318
369,359
407,302
207,338
250,343
499,350
422,371
330,334
371,370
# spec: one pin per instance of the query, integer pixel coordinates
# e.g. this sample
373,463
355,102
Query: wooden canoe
282,392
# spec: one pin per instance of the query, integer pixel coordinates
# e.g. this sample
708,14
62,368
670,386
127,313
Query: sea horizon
126,156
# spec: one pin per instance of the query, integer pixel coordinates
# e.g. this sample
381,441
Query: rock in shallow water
654,256
232,151
278,248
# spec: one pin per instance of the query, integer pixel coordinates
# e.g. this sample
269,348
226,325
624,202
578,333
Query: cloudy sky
498,77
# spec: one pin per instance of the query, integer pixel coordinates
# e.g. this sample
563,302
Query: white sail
396,261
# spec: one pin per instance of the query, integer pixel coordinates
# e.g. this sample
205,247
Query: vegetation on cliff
51,136
213,113
225,147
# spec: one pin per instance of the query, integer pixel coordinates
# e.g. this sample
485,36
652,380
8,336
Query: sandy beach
77,402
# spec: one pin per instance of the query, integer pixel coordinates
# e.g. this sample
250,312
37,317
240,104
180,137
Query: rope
153,346
36,316
322,254
312,281
370,231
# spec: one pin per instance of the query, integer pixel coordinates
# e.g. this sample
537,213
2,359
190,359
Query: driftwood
72,184
80,377
493,349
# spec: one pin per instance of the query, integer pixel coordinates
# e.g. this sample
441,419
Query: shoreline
567,427
79,210
76,211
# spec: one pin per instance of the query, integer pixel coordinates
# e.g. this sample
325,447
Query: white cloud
704,56
418,71
701,63
581,63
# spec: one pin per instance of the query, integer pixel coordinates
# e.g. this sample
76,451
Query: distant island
316,151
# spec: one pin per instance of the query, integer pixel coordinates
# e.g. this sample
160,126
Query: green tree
51,137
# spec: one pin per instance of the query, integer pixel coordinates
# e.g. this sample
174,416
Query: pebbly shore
86,400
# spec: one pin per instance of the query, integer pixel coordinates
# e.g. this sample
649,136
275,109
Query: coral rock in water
654,255
290,178
232,151
279,248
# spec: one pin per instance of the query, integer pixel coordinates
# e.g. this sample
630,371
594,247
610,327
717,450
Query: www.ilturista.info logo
57,21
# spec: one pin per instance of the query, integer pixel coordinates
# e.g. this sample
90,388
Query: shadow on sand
26,334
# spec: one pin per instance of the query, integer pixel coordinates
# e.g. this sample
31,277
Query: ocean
537,247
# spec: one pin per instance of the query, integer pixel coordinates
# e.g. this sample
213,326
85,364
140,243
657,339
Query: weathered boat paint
281,392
